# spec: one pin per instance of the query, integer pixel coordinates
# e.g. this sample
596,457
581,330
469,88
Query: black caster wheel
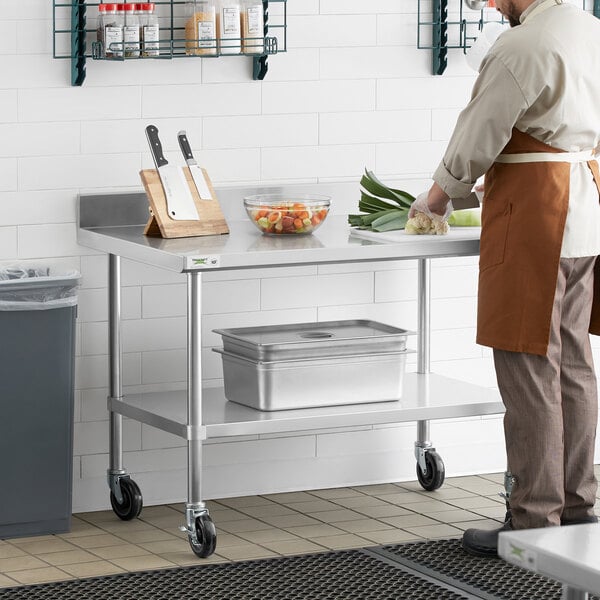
132,503
434,476
206,536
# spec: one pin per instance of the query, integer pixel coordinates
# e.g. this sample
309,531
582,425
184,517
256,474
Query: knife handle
184,144
156,146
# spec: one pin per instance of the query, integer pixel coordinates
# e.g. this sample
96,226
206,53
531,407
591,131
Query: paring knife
180,202
194,167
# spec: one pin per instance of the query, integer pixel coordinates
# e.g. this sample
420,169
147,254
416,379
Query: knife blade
194,167
180,202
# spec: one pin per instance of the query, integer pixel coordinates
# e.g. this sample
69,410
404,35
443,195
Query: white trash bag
37,288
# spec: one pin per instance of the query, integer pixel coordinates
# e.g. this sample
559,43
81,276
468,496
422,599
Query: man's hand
435,204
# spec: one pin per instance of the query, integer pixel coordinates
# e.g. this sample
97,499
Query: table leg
423,351
569,593
424,310
200,528
430,467
194,397
115,470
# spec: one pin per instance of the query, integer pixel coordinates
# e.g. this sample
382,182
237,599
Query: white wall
353,91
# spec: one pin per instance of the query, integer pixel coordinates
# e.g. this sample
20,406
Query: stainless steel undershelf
425,397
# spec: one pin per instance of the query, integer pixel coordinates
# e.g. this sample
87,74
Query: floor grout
269,525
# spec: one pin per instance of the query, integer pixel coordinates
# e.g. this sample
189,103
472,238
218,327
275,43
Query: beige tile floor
257,527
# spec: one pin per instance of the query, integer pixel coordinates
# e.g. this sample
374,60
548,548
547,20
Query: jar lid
108,6
102,7
129,6
148,6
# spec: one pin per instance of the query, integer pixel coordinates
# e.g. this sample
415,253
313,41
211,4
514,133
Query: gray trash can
38,308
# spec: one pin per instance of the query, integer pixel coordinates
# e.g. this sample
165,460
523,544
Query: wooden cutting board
211,220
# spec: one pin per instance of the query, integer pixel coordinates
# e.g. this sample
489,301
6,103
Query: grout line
365,492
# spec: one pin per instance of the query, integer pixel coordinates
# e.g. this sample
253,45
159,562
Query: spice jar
110,31
100,27
253,27
150,29
201,28
229,27
131,31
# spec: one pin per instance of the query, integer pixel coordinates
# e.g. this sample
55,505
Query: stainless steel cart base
114,224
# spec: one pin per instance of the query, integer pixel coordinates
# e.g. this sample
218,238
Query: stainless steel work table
114,224
566,554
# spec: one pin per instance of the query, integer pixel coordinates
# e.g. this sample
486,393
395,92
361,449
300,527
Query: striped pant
552,410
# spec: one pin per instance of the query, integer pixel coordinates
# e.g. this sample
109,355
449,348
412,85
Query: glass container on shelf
149,29
208,28
101,19
110,30
253,27
229,27
201,28
131,31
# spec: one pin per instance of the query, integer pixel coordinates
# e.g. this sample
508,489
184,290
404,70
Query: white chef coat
542,77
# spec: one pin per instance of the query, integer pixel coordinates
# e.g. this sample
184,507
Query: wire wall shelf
75,31
444,25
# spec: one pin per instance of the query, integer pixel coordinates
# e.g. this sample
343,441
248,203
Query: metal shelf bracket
459,32
439,58
259,63
78,42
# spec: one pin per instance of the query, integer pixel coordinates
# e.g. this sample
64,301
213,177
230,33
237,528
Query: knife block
210,222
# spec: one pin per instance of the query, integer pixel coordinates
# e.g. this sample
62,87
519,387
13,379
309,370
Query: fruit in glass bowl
286,214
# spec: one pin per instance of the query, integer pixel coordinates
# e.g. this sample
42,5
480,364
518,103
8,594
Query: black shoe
483,542
580,521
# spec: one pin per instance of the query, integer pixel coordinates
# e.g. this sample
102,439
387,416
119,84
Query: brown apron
523,221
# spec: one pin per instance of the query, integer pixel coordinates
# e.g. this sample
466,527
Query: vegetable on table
422,223
387,209
468,217
288,217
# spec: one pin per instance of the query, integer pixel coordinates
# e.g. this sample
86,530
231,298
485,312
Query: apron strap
528,157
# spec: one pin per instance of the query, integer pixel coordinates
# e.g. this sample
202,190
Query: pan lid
326,331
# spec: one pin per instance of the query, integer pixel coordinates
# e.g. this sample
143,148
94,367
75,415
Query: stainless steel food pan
305,383
311,340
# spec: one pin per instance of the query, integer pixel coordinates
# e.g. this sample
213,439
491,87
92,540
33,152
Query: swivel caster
204,541
132,503
434,474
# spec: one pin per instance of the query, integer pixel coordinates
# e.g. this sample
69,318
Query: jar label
151,39
255,21
231,22
131,35
206,34
113,35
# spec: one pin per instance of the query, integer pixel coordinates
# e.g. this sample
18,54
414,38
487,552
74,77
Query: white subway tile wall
353,91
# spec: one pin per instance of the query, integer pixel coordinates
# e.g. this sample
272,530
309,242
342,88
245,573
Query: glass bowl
287,214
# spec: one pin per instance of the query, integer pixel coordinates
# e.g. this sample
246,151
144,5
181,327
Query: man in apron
532,126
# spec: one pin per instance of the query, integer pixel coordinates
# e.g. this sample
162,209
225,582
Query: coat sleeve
483,128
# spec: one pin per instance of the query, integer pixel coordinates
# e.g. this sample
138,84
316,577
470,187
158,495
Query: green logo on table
208,261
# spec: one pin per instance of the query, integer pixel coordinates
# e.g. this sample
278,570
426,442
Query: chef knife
195,170
180,202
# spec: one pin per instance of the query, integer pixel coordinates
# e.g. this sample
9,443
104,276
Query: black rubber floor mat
487,578
343,575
